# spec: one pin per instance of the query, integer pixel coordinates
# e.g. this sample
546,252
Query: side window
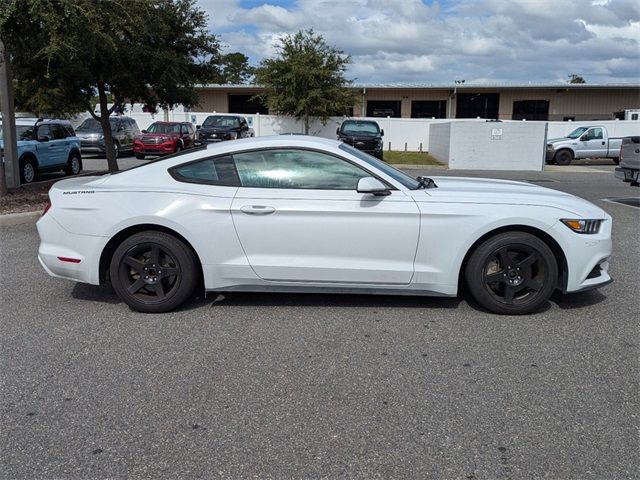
595,134
134,126
68,131
44,131
301,169
210,171
183,130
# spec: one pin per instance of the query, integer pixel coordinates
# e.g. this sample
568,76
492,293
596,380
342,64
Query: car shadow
95,293
572,301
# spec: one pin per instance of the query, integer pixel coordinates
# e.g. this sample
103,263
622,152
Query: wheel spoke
155,255
528,261
531,284
134,263
505,258
159,290
136,286
509,292
493,278
168,272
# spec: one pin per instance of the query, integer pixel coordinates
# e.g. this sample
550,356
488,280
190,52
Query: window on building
246,104
531,110
429,109
472,105
383,108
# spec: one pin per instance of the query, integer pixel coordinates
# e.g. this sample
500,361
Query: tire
116,149
178,147
28,170
512,273
563,157
139,156
74,164
153,272
616,161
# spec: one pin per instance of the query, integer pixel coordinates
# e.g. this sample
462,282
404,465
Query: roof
458,86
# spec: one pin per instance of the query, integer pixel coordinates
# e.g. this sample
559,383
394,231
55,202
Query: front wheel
153,272
616,161
139,156
564,157
513,273
28,170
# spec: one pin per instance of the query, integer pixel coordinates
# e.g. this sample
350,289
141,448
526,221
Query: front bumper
549,155
154,149
628,175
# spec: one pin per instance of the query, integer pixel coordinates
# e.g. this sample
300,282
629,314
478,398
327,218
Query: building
505,102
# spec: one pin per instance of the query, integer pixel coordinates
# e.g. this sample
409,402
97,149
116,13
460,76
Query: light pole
10,171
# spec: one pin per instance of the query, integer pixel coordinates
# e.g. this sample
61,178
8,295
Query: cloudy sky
425,41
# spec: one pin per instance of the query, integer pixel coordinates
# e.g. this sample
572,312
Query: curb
19,218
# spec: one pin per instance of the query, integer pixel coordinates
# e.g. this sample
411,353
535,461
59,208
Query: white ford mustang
304,214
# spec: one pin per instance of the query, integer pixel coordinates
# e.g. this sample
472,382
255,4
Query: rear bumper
57,243
627,174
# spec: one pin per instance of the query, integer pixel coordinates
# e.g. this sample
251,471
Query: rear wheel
512,273
139,156
153,272
74,165
564,157
178,147
28,170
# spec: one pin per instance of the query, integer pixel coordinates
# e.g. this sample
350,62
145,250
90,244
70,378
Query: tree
235,68
575,78
306,79
68,55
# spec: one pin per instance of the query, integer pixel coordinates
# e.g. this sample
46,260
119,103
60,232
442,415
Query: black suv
217,128
364,135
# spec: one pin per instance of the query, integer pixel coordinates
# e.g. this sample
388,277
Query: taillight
46,208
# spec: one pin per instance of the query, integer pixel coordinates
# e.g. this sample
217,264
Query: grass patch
410,158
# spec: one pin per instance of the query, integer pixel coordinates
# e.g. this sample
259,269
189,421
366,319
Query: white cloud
481,40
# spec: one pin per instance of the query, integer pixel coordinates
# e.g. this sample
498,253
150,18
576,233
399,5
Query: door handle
603,143
257,209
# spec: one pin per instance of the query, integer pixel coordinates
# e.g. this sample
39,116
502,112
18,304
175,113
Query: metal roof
459,86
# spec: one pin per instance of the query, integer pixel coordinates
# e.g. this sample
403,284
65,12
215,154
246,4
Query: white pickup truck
589,142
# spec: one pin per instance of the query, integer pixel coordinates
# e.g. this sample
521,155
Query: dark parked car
217,128
91,135
162,138
364,135
629,169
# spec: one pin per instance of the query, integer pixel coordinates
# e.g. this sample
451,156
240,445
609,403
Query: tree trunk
105,112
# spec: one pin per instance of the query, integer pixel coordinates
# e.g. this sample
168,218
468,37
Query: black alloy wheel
512,273
153,272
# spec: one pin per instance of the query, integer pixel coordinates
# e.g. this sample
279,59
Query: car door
299,218
45,147
594,143
60,144
186,137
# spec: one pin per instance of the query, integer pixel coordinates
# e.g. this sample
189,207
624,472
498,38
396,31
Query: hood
89,131
563,139
212,129
156,135
491,191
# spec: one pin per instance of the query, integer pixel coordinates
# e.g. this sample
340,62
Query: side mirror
584,137
198,127
44,139
143,131
338,131
373,186
382,132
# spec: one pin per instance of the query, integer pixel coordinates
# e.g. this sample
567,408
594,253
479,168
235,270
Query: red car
162,138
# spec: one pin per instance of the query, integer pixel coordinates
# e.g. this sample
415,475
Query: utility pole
10,170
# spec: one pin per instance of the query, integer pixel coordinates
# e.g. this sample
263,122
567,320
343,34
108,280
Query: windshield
352,127
393,172
220,121
93,125
23,132
577,132
164,128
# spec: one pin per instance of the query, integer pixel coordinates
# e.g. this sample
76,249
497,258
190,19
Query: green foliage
65,53
306,79
235,68
574,78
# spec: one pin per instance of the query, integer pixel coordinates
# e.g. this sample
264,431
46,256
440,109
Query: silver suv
91,136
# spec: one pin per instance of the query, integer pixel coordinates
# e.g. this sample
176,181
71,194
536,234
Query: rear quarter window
209,171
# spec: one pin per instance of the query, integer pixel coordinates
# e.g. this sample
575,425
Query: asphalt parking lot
306,386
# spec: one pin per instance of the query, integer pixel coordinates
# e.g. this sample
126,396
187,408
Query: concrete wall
490,145
440,141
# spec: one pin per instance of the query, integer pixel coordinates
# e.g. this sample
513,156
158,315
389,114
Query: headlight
549,146
588,227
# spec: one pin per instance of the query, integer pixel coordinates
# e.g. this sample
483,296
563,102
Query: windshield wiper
426,182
